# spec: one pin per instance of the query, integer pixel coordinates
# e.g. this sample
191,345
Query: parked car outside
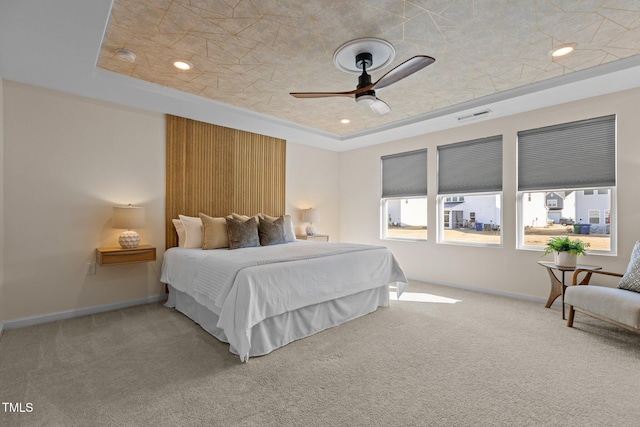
566,221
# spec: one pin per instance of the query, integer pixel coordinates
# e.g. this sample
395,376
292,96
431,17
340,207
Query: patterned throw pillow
242,234
631,279
289,232
271,233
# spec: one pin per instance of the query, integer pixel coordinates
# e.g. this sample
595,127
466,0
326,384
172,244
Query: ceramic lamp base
311,230
129,239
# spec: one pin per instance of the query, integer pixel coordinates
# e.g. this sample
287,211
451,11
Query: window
469,196
404,196
576,162
454,199
552,203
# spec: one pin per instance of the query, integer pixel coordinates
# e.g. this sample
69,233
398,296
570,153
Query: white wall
505,269
313,180
2,296
68,161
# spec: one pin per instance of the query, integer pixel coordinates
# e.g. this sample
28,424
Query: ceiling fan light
366,99
380,107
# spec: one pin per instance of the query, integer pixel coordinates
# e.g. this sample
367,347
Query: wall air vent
474,116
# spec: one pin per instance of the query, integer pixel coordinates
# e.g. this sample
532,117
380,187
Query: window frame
401,185
442,199
613,235
384,213
594,167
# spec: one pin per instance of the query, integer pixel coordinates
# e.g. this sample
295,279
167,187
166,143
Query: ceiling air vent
474,116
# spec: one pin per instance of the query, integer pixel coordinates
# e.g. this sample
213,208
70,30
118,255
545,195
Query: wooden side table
314,238
115,256
558,285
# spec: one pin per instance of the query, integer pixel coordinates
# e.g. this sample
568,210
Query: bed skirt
277,331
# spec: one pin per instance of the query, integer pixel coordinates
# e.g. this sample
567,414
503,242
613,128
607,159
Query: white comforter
245,286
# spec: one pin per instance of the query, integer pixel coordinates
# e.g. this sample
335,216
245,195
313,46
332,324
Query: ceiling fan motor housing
364,59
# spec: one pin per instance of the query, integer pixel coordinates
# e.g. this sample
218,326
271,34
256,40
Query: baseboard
489,291
69,314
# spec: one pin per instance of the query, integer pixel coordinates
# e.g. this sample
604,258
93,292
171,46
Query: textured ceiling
252,53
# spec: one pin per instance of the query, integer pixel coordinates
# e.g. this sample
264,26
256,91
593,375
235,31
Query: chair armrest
587,277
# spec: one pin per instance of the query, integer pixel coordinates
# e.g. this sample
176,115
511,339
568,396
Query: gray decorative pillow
242,234
631,279
271,233
289,232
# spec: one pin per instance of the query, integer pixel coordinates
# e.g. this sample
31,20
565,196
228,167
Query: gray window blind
471,166
405,174
572,155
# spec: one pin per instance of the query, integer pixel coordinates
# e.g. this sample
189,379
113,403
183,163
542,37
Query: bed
258,299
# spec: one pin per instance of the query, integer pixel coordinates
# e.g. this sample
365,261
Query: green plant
565,244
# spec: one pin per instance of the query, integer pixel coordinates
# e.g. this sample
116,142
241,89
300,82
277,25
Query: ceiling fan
365,93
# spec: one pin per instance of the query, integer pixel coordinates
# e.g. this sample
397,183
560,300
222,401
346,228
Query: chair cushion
631,279
613,303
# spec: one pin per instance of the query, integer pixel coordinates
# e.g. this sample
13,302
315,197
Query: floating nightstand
314,238
116,256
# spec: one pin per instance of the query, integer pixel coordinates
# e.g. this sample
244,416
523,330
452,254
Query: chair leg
572,311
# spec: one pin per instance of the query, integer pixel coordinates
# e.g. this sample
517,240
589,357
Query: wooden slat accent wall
218,170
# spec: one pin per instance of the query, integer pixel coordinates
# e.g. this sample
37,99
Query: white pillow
180,230
192,231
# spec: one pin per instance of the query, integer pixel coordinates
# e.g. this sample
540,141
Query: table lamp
310,215
128,217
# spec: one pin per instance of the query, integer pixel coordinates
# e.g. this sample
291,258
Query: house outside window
470,197
454,199
404,196
584,184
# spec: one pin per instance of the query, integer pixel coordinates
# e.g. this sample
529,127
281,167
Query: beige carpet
482,361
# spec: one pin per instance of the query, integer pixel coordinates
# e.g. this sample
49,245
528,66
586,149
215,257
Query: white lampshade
128,217
310,215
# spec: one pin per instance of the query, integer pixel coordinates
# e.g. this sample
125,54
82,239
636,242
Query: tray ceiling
251,54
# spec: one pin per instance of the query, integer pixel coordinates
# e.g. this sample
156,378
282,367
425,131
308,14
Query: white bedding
243,287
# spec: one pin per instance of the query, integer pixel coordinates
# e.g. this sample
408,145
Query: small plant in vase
565,250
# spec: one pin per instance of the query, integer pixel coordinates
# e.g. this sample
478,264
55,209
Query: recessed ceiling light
563,50
345,121
181,64
125,55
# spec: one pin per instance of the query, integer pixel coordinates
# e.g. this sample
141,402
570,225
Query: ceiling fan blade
380,107
322,94
403,70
